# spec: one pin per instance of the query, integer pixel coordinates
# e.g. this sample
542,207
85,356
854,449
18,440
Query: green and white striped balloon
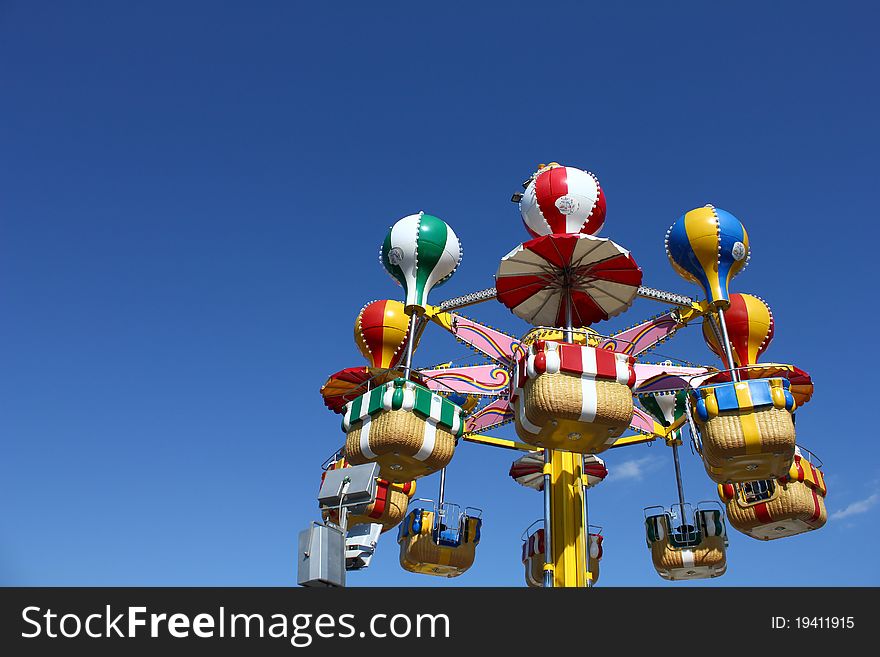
420,252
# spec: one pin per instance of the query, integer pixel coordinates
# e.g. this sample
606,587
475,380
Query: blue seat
448,536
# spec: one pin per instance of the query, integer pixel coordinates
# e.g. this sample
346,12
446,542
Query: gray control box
349,486
321,556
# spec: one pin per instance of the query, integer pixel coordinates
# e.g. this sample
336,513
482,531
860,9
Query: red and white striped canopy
535,279
563,200
528,470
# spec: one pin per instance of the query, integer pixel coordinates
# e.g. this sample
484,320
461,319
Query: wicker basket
795,505
744,441
707,560
396,437
419,553
572,397
553,403
699,553
404,427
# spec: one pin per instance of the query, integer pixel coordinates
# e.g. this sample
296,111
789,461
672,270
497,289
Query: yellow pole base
570,565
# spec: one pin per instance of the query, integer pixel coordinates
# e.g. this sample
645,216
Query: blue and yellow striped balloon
708,246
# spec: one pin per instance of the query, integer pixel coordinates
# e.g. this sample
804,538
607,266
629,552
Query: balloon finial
708,246
420,252
560,199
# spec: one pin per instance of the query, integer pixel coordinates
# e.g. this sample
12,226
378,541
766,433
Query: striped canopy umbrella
352,382
537,279
528,470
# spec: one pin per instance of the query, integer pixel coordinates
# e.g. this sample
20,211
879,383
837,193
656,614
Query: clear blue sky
192,197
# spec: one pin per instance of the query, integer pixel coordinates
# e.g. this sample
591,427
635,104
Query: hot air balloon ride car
687,544
777,508
568,394
439,540
745,427
403,426
596,552
572,397
533,555
684,543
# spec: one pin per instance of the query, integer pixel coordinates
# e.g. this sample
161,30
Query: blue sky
193,197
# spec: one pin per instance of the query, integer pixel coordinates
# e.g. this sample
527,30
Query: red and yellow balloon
380,332
749,326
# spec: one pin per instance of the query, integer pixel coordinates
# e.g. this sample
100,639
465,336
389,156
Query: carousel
571,393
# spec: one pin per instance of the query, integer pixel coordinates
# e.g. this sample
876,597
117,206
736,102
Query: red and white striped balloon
561,199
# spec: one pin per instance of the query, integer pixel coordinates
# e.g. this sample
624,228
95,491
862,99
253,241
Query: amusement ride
571,393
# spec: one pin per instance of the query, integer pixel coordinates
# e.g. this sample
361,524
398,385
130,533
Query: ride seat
449,537
685,536
710,522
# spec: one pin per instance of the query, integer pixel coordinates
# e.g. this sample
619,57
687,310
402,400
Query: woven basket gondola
677,564
572,397
797,505
705,557
420,553
746,429
411,432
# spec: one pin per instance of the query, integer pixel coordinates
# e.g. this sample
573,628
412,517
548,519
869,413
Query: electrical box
360,545
321,556
349,486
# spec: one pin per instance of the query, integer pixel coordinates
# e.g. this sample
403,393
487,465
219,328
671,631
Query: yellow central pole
567,520
567,531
